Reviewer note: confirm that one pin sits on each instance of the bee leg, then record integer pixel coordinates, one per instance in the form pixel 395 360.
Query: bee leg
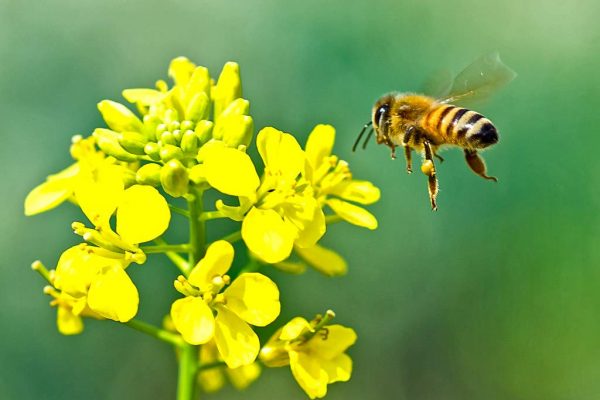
pixel 438 156
pixel 408 156
pixel 477 164
pixel 428 168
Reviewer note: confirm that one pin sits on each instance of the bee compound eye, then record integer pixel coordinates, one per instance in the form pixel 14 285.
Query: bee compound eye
pixel 380 111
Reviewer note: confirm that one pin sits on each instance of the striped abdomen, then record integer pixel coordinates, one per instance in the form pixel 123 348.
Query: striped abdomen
pixel 456 125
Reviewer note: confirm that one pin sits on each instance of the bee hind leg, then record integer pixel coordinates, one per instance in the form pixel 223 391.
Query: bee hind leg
pixel 428 168
pixel 408 156
pixel 477 164
pixel 438 156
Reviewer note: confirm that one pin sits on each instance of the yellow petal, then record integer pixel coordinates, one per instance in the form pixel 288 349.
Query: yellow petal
pixel 142 215
pixel 280 153
pixel 296 327
pixel 67 322
pixel 236 341
pixel 353 214
pixel 334 343
pixel 319 144
pixel 267 235
pixel 230 171
pixel 48 195
pixel 113 295
pixel 145 97
pixel 243 376
pixel 76 269
pixel 324 260
pixel 339 369
pixel 99 191
pixel 313 229
pixel 180 70
pixel 309 374
pixel 216 262
pixel 193 319
pixel 254 298
pixel 363 192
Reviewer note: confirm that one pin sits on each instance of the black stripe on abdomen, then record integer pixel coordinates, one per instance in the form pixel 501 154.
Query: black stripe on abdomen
pixel 465 123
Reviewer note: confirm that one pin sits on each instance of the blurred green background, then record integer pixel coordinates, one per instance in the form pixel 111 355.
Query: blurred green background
pixel 495 296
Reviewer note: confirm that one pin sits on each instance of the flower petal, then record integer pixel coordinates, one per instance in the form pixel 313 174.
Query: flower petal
pixel 145 97
pixel 230 171
pixel 254 298
pixel 309 374
pixel 353 214
pixel 98 192
pixel 296 327
pixel 76 269
pixel 329 346
pixel 142 215
pixel 313 230
pixel 216 262
pixel 267 235
pixel 339 369
pixel 113 295
pixel 324 260
pixel 363 192
pixel 280 153
pixel 193 319
pixel 319 144
pixel 67 322
pixel 51 193
pixel 236 341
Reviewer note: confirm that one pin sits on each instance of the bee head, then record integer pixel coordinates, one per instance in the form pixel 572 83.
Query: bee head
pixel 381 112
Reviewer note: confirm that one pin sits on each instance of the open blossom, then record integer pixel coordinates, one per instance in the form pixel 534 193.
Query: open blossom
pixel 277 210
pixel 314 351
pixel 251 299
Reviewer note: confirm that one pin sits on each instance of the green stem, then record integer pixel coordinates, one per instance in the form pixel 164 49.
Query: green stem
pixel 155 332
pixel 197 227
pixel 332 219
pixel 180 211
pixel 208 215
pixel 233 237
pixel 215 364
pixel 164 248
pixel 188 366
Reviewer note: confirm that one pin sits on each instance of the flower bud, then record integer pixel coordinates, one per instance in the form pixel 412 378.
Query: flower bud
pixel 133 142
pixel 118 117
pixel 167 137
pixel 174 178
pixel 198 107
pixel 189 142
pixel 237 107
pixel 148 174
pixel 153 150
pixel 170 152
pixel 204 130
pixel 108 141
pixel 234 130
pixel 228 88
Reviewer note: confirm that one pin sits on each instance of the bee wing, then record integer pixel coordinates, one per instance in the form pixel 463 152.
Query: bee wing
pixel 479 80
pixel 439 84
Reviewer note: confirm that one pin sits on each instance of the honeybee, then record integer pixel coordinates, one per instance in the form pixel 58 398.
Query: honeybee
pixel 428 123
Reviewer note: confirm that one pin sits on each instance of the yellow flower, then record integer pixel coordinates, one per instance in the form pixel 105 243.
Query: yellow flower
pixel 315 352
pixel 213 379
pixel 332 180
pixel 87 283
pixel 252 298
pixel 279 210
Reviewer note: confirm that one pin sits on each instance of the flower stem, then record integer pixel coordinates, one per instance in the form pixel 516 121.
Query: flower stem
pixel 215 364
pixel 164 248
pixel 233 237
pixel 197 227
pixel 179 210
pixel 208 215
pixel 155 332
pixel 332 219
pixel 188 366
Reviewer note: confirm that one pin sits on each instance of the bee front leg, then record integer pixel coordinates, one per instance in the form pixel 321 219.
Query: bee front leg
pixel 477 164
pixel 428 168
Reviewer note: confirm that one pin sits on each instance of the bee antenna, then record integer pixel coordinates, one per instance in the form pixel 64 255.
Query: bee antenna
pixel 361 134
pixel 367 139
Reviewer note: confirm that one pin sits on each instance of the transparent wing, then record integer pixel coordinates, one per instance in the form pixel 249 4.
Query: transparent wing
pixel 479 80
pixel 439 84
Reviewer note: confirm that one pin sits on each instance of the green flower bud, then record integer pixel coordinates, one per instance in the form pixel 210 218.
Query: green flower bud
pixel 186 125
pixel 133 142
pixel 174 178
pixel 118 117
pixel 177 134
pixel 234 130
pixel 237 107
pixel 108 141
pixel 153 150
pixel 228 87
pixel 198 107
pixel 204 130
pixel 149 174
pixel 167 137
pixel 189 142
pixel 170 152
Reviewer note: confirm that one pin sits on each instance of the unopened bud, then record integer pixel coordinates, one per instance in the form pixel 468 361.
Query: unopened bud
pixel 170 152
pixel 198 107
pixel 203 131
pixel 148 174
pixel 108 141
pixel 189 142
pixel 133 142
pixel 153 150
pixel 174 178
pixel 118 117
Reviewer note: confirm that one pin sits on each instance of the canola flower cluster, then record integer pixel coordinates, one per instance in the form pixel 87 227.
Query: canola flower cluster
pixel 185 140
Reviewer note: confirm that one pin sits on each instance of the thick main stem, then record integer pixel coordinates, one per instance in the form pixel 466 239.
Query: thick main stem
pixel 188 354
